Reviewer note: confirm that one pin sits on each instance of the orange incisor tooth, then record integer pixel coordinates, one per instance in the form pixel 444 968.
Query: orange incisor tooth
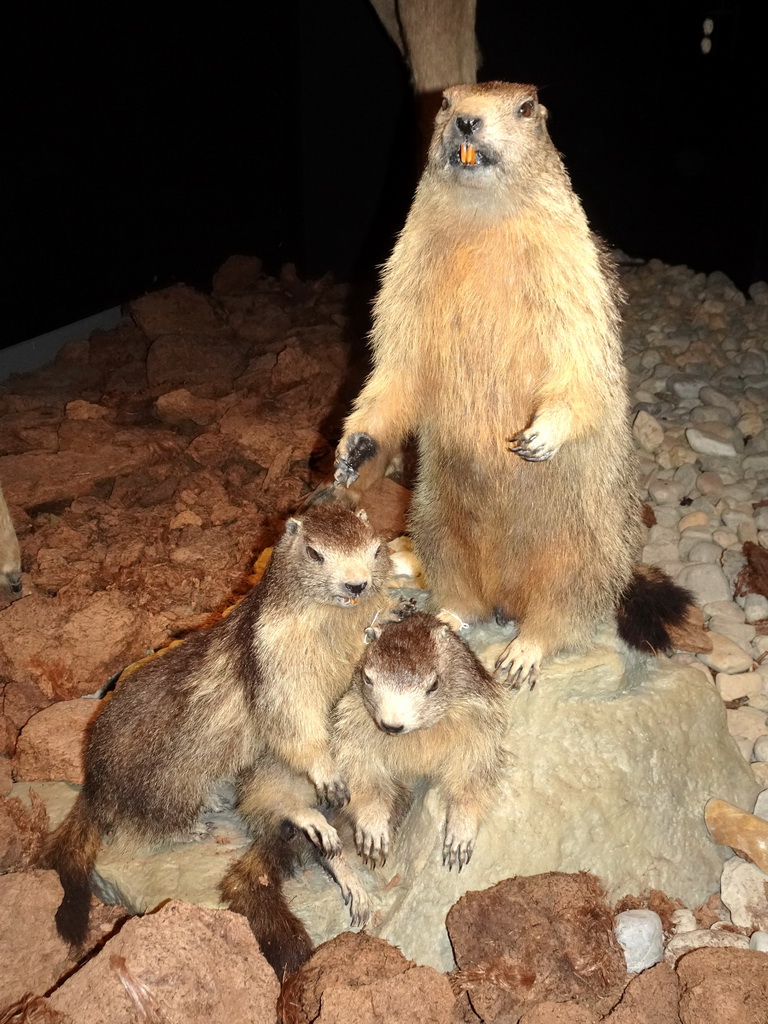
pixel 467 153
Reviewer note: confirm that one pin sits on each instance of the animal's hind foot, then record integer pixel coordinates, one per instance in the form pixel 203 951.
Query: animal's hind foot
pixel 519 663
pixel 318 831
pixel 353 893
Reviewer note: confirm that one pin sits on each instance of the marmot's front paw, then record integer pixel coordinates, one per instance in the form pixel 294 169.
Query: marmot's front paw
pixel 373 844
pixel 459 843
pixel 519 663
pixel 333 791
pixel 353 451
pixel 531 447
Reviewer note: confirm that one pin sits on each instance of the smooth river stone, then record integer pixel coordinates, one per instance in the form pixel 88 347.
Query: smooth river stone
pixel 745 833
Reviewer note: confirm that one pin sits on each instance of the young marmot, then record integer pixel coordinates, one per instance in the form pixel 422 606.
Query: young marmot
pixel 10 554
pixel 422 706
pixel 496 342
pixel 257 685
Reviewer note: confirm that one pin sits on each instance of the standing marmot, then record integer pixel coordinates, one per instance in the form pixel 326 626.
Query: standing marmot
pixel 10 555
pixel 496 342
pixel 422 706
pixel 257 685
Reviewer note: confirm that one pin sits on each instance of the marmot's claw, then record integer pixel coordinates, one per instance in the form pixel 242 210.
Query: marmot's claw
pixel 522 445
pixel 325 840
pixel 372 848
pixel 334 792
pixel 358 448
pixel 457 852
pixel 404 608
pixel 343 473
pixel 518 664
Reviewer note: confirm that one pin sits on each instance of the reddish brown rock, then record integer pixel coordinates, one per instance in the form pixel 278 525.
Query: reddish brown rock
pixel 22 831
pixel 530 940
pixel 180 965
pixel 36 478
pixel 293 366
pixel 180 405
pixel 729 986
pixel 6 775
pixel 351 960
pixel 32 955
pixel 418 996
pixel 559 1013
pixel 175 310
pixel 238 275
pixel 187 359
pixel 71 646
pixel 650 998
pixel 51 743
pixel 124 344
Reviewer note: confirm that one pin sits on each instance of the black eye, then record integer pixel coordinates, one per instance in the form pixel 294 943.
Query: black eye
pixel 526 109
pixel 314 555
pixel 366 678
pixel 433 687
pixel 377 552
pixel 444 103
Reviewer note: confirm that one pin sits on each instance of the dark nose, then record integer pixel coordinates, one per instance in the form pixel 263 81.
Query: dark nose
pixel 393 730
pixel 468 125
pixel 356 588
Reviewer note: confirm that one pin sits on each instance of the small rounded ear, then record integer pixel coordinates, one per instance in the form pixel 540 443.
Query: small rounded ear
pixel 370 634
pixel 362 514
pixel 292 526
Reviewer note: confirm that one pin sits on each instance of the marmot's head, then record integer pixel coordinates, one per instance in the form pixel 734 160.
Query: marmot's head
pixel 334 556
pixel 415 671
pixel 491 135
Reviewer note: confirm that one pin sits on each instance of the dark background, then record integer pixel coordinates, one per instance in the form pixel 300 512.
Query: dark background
pixel 146 146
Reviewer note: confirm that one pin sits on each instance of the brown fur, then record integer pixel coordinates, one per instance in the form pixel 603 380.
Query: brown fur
pixel 258 684
pixel 422 707
pixel 10 553
pixel 496 321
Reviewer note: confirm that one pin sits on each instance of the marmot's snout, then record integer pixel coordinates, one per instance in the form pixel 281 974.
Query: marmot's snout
pixel 468 125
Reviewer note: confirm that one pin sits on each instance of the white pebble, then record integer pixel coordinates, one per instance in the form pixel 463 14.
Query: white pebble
pixel 640 935
pixel 743 891
pixel 755 607
pixel 681 944
pixel 724 537
pixel 647 431
pixel 745 684
pixel 746 725
pixel 707 582
pixel 708 444
pixel 683 921
pixel 761 805
pixel 760 752
pixel 759 941
pixel 665 492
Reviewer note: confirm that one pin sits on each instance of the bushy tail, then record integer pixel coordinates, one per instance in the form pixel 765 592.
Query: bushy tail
pixel 651 607
pixel 72 850
pixel 253 886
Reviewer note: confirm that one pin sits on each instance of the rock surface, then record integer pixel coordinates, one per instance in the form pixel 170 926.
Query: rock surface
pixel 730 988
pixel 32 955
pixel 530 940
pixel 180 965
